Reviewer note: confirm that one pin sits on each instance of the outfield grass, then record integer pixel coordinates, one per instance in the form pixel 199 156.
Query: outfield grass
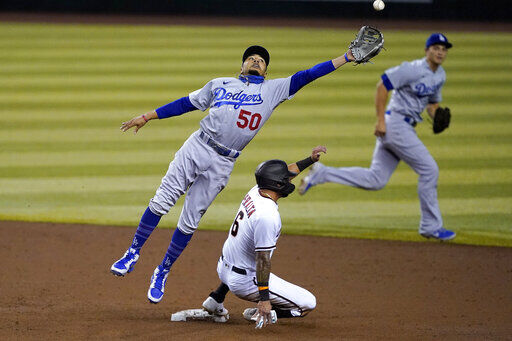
pixel 66 89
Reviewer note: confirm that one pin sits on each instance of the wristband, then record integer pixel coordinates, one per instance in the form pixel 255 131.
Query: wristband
pixel 264 295
pixel 346 57
pixel 144 117
pixel 263 290
pixel 303 164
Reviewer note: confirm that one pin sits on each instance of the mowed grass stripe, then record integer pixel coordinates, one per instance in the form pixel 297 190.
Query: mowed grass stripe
pixel 173 129
pixel 131 197
pixel 139 102
pixel 363 141
pixel 83 82
pixel 238 181
pixel 190 37
pixel 486 86
pixel 223 68
pixel 337 152
pixel 330 211
pixel 247 164
pixel 242 175
pixel 333 112
pixel 156 93
pixel 341 214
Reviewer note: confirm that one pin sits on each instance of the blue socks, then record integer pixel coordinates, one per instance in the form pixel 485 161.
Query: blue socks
pixel 178 244
pixel 147 224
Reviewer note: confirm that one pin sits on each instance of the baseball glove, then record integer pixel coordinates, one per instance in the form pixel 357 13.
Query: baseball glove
pixel 441 119
pixel 368 43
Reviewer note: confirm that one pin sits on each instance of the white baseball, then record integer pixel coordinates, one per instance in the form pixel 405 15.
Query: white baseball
pixel 378 5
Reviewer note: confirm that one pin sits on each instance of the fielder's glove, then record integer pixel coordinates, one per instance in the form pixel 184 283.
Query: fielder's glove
pixel 441 119
pixel 368 43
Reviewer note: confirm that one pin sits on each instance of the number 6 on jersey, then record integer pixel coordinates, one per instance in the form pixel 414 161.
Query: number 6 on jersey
pixel 236 223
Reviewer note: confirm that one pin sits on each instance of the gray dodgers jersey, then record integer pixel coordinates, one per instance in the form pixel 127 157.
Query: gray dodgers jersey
pixel 238 109
pixel 257 227
pixel 415 85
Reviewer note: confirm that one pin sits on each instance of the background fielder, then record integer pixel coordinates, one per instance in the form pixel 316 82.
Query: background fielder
pixel 244 267
pixel 238 108
pixel 417 85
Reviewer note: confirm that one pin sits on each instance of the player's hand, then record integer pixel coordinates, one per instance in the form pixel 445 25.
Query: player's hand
pixel 263 314
pixel 137 122
pixel 380 129
pixel 350 55
pixel 315 154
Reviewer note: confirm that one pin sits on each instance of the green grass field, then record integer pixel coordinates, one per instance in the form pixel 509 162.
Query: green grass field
pixel 66 89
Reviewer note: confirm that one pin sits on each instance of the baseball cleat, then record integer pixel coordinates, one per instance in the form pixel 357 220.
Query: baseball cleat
pixel 307 182
pixel 157 286
pixel 441 234
pixel 213 307
pixel 126 263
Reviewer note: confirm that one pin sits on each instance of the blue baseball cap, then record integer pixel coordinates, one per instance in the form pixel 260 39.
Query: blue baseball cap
pixel 437 38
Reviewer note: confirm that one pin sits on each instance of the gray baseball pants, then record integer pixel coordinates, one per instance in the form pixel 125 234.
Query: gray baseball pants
pixel 400 143
pixel 198 170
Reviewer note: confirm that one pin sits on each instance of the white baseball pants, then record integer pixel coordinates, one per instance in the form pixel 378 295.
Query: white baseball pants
pixel 283 295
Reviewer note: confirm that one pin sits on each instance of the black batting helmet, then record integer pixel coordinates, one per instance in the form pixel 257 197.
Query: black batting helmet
pixel 274 175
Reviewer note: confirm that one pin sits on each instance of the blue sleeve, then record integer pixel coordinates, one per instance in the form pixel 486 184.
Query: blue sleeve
pixel 386 82
pixel 302 78
pixel 176 108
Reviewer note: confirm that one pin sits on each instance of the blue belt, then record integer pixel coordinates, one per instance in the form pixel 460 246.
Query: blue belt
pixel 407 119
pixel 221 150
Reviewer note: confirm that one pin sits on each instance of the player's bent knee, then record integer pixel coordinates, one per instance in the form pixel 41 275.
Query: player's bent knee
pixel 186 229
pixel 157 208
pixel 379 186
pixel 309 302
pixel 376 182
pixel 376 185
pixel 431 175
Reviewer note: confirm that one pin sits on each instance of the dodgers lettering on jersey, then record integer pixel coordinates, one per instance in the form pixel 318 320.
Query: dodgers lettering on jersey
pixel 415 85
pixel 257 227
pixel 238 110
pixel 223 97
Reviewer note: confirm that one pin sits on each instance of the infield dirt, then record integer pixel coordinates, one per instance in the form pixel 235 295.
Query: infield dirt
pixel 56 284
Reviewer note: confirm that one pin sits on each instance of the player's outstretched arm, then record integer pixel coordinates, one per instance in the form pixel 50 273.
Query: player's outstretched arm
pixel 302 78
pixel 343 59
pixel 175 108
pixel 299 166
pixel 138 121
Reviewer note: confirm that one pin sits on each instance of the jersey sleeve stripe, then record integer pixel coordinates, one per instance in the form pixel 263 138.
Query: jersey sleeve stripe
pixel 387 82
pixel 265 248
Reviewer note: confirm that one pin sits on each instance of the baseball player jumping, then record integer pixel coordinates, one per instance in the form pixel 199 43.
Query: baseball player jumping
pixel 238 108
pixel 417 85
pixel 244 267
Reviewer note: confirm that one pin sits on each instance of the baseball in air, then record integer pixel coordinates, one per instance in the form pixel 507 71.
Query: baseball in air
pixel 378 5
